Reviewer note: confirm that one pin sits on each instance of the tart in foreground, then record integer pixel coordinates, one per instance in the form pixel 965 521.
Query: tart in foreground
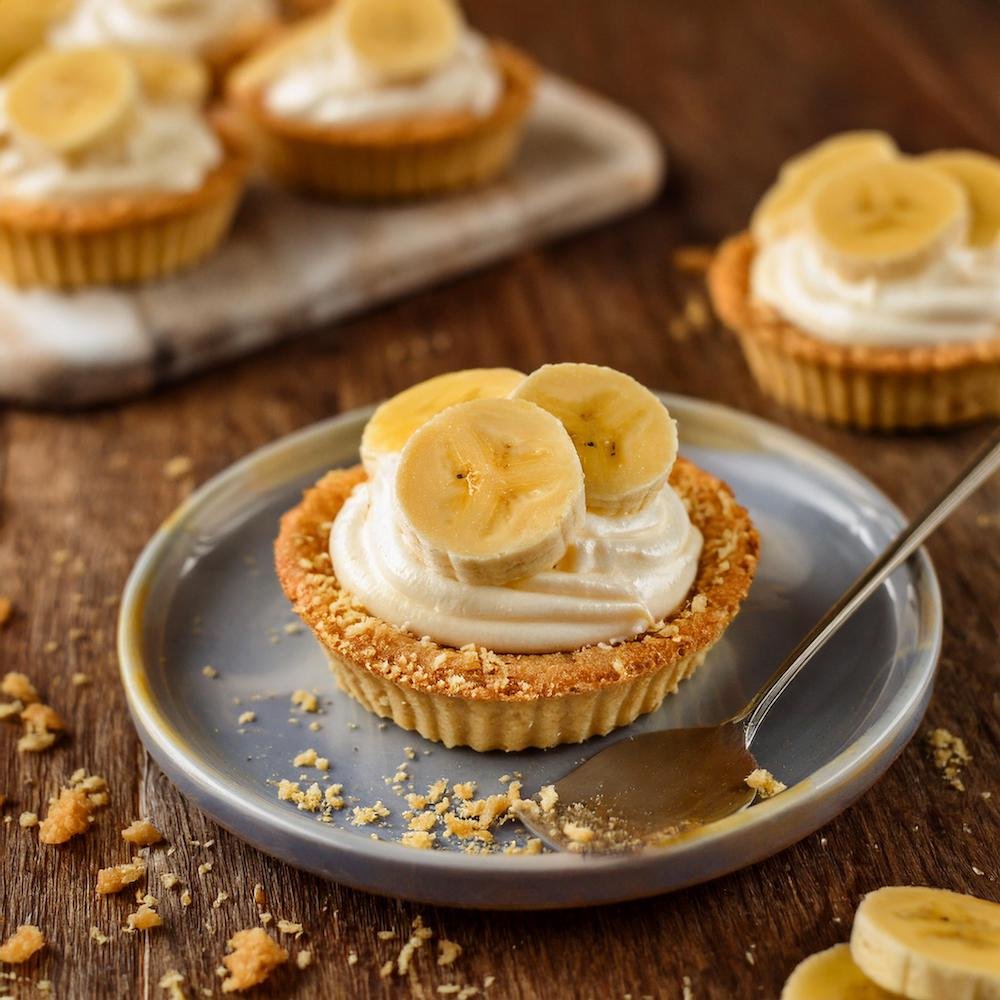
pixel 611 587
pixel 866 292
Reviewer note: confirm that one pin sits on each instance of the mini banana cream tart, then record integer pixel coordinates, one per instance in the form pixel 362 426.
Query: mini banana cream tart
pixel 383 99
pixel 866 292
pixel 109 169
pixel 220 32
pixel 519 561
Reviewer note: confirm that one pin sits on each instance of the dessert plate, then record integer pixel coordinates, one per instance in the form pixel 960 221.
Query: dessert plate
pixel 204 593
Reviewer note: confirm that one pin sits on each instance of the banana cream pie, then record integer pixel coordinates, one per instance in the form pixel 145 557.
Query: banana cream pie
pixel 518 561
pixel 867 289
pixel 381 99
pixel 109 170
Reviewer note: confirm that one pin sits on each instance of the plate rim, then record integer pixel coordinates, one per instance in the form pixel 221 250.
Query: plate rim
pixel 868 753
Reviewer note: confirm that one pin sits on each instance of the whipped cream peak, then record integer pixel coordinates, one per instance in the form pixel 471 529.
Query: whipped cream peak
pixel 620 575
pixel 955 298
pixel 330 85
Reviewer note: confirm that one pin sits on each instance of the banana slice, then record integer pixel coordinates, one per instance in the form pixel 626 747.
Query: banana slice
pixel 928 944
pixel 169 77
pixel 623 434
pixel 832 975
pixel 24 25
pixel 68 100
pixel 979 176
pixel 490 491
pixel 780 210
pixel 396 419
pixel 886 219
pixel 400 39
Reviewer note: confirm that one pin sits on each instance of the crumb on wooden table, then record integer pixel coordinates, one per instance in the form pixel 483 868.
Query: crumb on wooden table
pixel 448 951
pixel 17 685
pixel 178 467
pixel 42 725
pixel 112 880
pixel 172 982
pixel 144 919
pixel 254 956
pixel 950 756
pixel 6 610
pixel 142 833
pixel 19 947
pixel 70 814
pixel 27 820
pixel 765 784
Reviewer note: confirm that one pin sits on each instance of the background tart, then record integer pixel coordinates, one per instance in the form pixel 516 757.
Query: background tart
pixel 862 386
pixel 429 154
pixel 490 701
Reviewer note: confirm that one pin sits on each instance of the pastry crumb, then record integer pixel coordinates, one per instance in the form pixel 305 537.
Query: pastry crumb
pixel 306 701
pixel 114 879
pixel 365 815
pixel 419 839
pixel 577 833
pixel 69 815
pixel 172 982
pixel 950 756
pixel 17 685
pixel 246 717
pixel 27 820
pixel 6 610
pixel 142 833
pixel 178 467
pixel 79 679
pixel 42 725
pixel 144 919
pixel 548 797
pixel 289 927
pixel 448 951
pixel 209 671
pixel 765 784
pixel 254 956
pixel 19 947
pixel 97 937
pixel 304 959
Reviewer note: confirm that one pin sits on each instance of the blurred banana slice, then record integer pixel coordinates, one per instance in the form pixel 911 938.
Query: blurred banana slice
pixel 169 77
pixel 781 209
pixel 24 25
pixel 396 419
pixel 167 8
pixel 979 175
pixel 624 435
pixel 832 975
pixel 401 39
pixel 71 99
pixel 929 944
pixel 490 491
pixel 886 219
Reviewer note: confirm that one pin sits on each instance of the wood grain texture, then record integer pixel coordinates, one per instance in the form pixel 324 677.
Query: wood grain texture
pixel 732 89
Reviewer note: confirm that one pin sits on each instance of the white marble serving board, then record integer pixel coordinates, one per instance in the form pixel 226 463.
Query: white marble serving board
pixel 292 263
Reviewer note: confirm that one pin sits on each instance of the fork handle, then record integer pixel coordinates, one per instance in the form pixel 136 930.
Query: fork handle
pixel 983 464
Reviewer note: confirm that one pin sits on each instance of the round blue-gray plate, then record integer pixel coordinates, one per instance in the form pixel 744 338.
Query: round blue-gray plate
pixel 204 593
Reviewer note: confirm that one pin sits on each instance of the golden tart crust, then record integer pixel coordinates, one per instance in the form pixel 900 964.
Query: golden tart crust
pixel 859 385
pixel 409 157
pixel 476 697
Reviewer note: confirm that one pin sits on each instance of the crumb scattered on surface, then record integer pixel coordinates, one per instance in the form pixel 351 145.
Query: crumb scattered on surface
pixel 365 815
pixel 448 951
pixel 142 833
pixel 97 937
pixel 69 815
pixel 304 959
pixel 19 947
pixel 289 927
pixel 116 878
pixel 6 610
pixel 144 919
pixel 765 784
pixel 172 983
pixel 576 833
pixel 247 717
pixel 254 956
pixel 27 820
pixel 210 672
pixel 178 467
pixel 950 756
pixel 548 797
pixel 306 701
pixel 419 935
pixel 79 679
pixel 17 685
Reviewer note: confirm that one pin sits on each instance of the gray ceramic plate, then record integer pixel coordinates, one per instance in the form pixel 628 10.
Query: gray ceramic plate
pixel 203 592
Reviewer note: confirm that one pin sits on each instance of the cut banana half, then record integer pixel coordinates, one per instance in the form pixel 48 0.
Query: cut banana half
pixel 396 419
pixel 71 99
pixel 168 77
pixel 401 39
pixel 24 25
pixel 979 176
pixel 490 491
pixel 832 975
pixel 781 209
pixel 928 944
pixel 886 220
pixel 626 439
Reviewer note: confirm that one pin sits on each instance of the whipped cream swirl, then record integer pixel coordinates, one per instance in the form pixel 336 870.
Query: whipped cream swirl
pixel 622 574
pixel 329 85
pixel 167 147
pixel 191 28
pixel 954 299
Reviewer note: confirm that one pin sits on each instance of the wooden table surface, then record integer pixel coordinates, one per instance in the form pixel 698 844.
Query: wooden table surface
pixel 732 89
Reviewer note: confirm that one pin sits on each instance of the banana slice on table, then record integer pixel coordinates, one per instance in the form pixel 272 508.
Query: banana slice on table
pixel 396 419
pixel 170 77
pixel 401 38
pixel 68 100
pixel 928 944
pixel 490 491
pixel 781 209
pixel 886 219
pixel 979 176
pixel 624 435
pixel 832 975
pixel 24 25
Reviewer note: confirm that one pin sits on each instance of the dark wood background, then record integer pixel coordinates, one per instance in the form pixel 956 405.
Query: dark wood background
pixel 732 89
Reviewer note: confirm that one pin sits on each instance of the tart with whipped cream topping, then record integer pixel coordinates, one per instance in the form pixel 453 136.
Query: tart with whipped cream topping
pixel 109 169
pixel 518 561
pixel 220 32
pixel 383 99
pixel 866 292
